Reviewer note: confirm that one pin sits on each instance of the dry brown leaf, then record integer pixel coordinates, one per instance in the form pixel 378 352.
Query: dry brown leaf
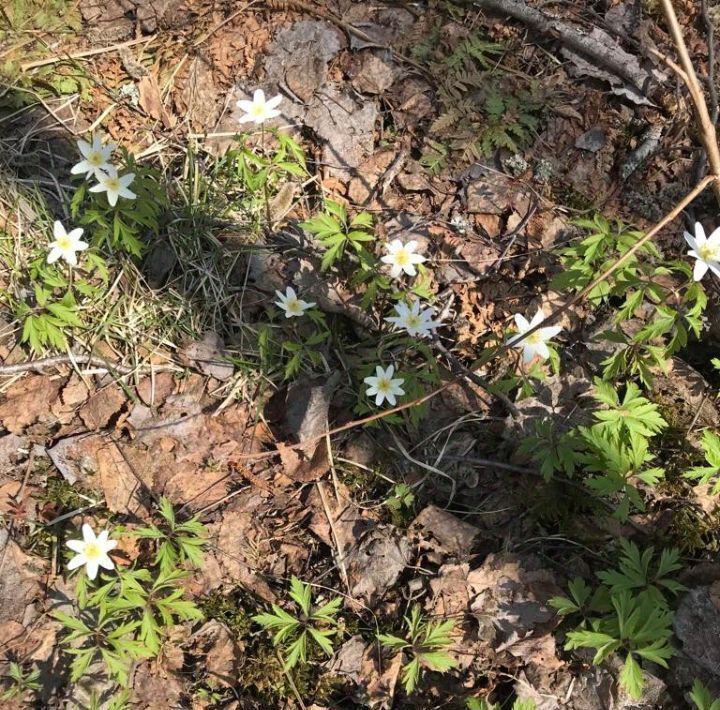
pixel 27 401
pixel 151 102
pixel 20 577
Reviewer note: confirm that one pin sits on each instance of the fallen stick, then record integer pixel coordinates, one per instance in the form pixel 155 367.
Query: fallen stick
pixel 84 53
pixel 566 34
pixel 706 125
pixel 46 363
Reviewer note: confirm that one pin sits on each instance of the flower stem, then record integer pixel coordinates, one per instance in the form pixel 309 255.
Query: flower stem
pixel 265 183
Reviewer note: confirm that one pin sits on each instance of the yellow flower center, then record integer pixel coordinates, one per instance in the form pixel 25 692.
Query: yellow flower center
pixel 413 321
pixel 112 184
pixel 383 384
pixel 95 159
pixel 293 305
pixel 708 252
pixel 402 258
pixel 64 243
pixel 93 551
pixel 534 338
pixel 258 110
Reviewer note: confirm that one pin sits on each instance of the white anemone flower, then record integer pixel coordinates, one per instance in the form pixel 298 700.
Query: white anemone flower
pixel 114 185
pixel 402 257
pixel 412 319
pixel 91 551
pixel 66 244
pixel 535 343
pixel 95 157
pixel 705 251
pixel 290 303
pixel 383 386
pixel 259 110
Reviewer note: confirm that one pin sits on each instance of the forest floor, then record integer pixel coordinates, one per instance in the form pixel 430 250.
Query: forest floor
pixel 496 146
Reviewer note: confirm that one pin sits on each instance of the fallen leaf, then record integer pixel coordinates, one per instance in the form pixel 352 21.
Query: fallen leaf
pixel 20 577
pixel 151 102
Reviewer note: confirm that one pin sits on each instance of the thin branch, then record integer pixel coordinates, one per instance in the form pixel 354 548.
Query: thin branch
pixel 85 53
pixel 705 123
pixel 46 363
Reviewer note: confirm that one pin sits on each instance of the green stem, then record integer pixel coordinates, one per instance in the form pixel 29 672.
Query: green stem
pixel 265 182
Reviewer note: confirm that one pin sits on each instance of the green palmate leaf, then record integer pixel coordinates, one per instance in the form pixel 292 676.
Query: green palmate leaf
pixel 394 642
pixel 631 677
pixel 411 675
pixel 83 658
pixel 704 474
pixel 634 413
pixel 297 652
pixel 71 622
pixel 438 661
pixel 328 611
pixel 322 638
pixel 643 571
pixel 702 698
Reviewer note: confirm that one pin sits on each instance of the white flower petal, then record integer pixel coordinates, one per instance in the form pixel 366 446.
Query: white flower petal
pixel 542 350
pixel 699 270
pixel 75 562
pixel 91 567
pixel 538 318
pixel 714 238
pixel 528 353
pixel 691 241
pixel 54 255
pixel 84 147
pixel 82 167
pixel 521 322
pixel 88 533
pixel 714 267
pixel 106 562
pixel 76 545
pixel 700 237
pixel 549 332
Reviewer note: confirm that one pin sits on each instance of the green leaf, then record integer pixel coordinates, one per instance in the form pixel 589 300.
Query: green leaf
pixel 411 675
pixel 631 677
pixel 438 660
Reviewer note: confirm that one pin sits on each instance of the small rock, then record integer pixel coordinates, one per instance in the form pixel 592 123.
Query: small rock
pixel 208 355
pixel 13 450
pixel 300 54
pixel 697 627
pixel 592 140
pixel 376 563
pixel 372 71
pixel 222 653
pixel 346 128
pixel 453 535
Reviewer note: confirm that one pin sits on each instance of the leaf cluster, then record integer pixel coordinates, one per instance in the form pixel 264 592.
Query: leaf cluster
pixel 20 682
pixel 425 645
pixel 662 292
pixel 338 233
pixel 703 475
pixel 122 618
pixel 615 449
pixel 296 634
pixel 702 699
pixel 628 612
pixel 177 543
